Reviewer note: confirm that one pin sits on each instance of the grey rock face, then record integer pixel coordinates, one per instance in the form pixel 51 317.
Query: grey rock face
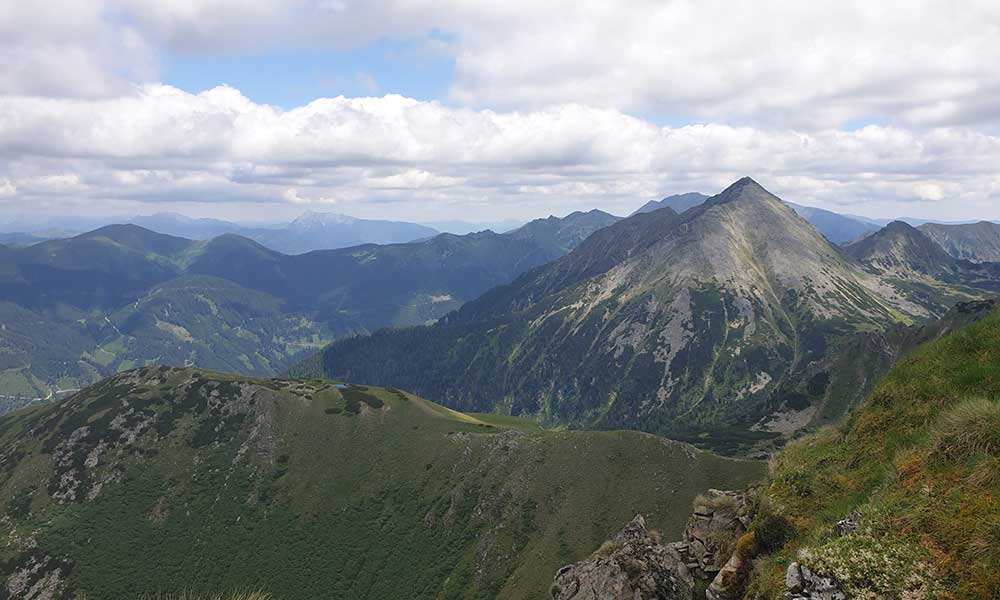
pixel 802 584
pixel 635 565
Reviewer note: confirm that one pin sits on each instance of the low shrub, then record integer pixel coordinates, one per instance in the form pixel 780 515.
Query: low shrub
pixel 772 533
pixel 606 549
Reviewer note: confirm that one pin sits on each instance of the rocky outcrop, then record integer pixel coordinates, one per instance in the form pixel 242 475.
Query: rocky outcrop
pixel 719 519
pixel 802 584
pixel 635 565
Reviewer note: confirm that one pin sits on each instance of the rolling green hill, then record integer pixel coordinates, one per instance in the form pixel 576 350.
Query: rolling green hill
pixel 164 480
pixel 730 320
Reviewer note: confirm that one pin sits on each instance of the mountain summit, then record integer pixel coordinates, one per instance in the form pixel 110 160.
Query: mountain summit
pixel 320 219
pixel 712 318
pixel 903 251
pixel 839 229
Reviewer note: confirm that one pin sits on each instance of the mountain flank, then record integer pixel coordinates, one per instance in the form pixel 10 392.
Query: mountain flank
pixel 900 501
pixel 725 321
pixel 913 262
pixel 976 242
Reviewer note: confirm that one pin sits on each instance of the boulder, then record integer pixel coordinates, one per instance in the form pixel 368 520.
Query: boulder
pixel 803 584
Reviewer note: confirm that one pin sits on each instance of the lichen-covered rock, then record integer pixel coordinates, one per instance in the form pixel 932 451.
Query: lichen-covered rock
pixel 730 581
pixel 802 584
pixel 38 578
pixel 635 565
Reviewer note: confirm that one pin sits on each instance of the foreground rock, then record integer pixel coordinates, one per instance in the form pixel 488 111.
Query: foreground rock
pixel 803 584
pixel 635 565
pixel 719 519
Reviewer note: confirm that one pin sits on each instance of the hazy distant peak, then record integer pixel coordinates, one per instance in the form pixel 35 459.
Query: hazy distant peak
pixel 903 251
pixel 174 216
pixel 314 218
pixel 678 202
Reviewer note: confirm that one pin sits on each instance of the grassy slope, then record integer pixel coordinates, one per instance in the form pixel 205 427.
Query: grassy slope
pixel 920 460
pixel 277 485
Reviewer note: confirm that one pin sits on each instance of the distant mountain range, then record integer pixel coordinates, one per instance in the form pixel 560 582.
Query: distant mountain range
pixel 678 203
pixel 77 309
pixel 459 227
pixel 326 231
pixel 311 231
pixel 728 315
pixel 977 242
pixel 733 323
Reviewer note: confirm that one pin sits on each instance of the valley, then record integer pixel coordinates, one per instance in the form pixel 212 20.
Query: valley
pixel 79 309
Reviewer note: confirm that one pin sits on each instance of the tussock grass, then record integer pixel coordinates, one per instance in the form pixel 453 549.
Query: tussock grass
pixel 607 549
pixel 920 462
pixel 967 429
pixel 718 503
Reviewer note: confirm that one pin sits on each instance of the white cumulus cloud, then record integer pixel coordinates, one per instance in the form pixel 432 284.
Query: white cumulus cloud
pixel 160 143
pixel 875 107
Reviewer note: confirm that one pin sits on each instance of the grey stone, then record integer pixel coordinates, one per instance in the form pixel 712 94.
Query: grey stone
pixel 793 578
pixel 634 566
pixel 801 583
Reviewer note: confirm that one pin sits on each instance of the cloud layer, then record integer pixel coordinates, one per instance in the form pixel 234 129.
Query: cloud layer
pixel 775 89
pixel 161 143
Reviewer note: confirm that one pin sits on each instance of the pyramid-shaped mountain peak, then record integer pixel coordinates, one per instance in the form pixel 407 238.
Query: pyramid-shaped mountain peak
pixel 745 189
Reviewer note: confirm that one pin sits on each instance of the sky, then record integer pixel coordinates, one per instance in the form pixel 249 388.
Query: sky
pixel 421 110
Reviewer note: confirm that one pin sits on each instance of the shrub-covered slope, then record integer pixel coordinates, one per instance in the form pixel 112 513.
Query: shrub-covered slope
pixel 165 480
pixel 913 477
